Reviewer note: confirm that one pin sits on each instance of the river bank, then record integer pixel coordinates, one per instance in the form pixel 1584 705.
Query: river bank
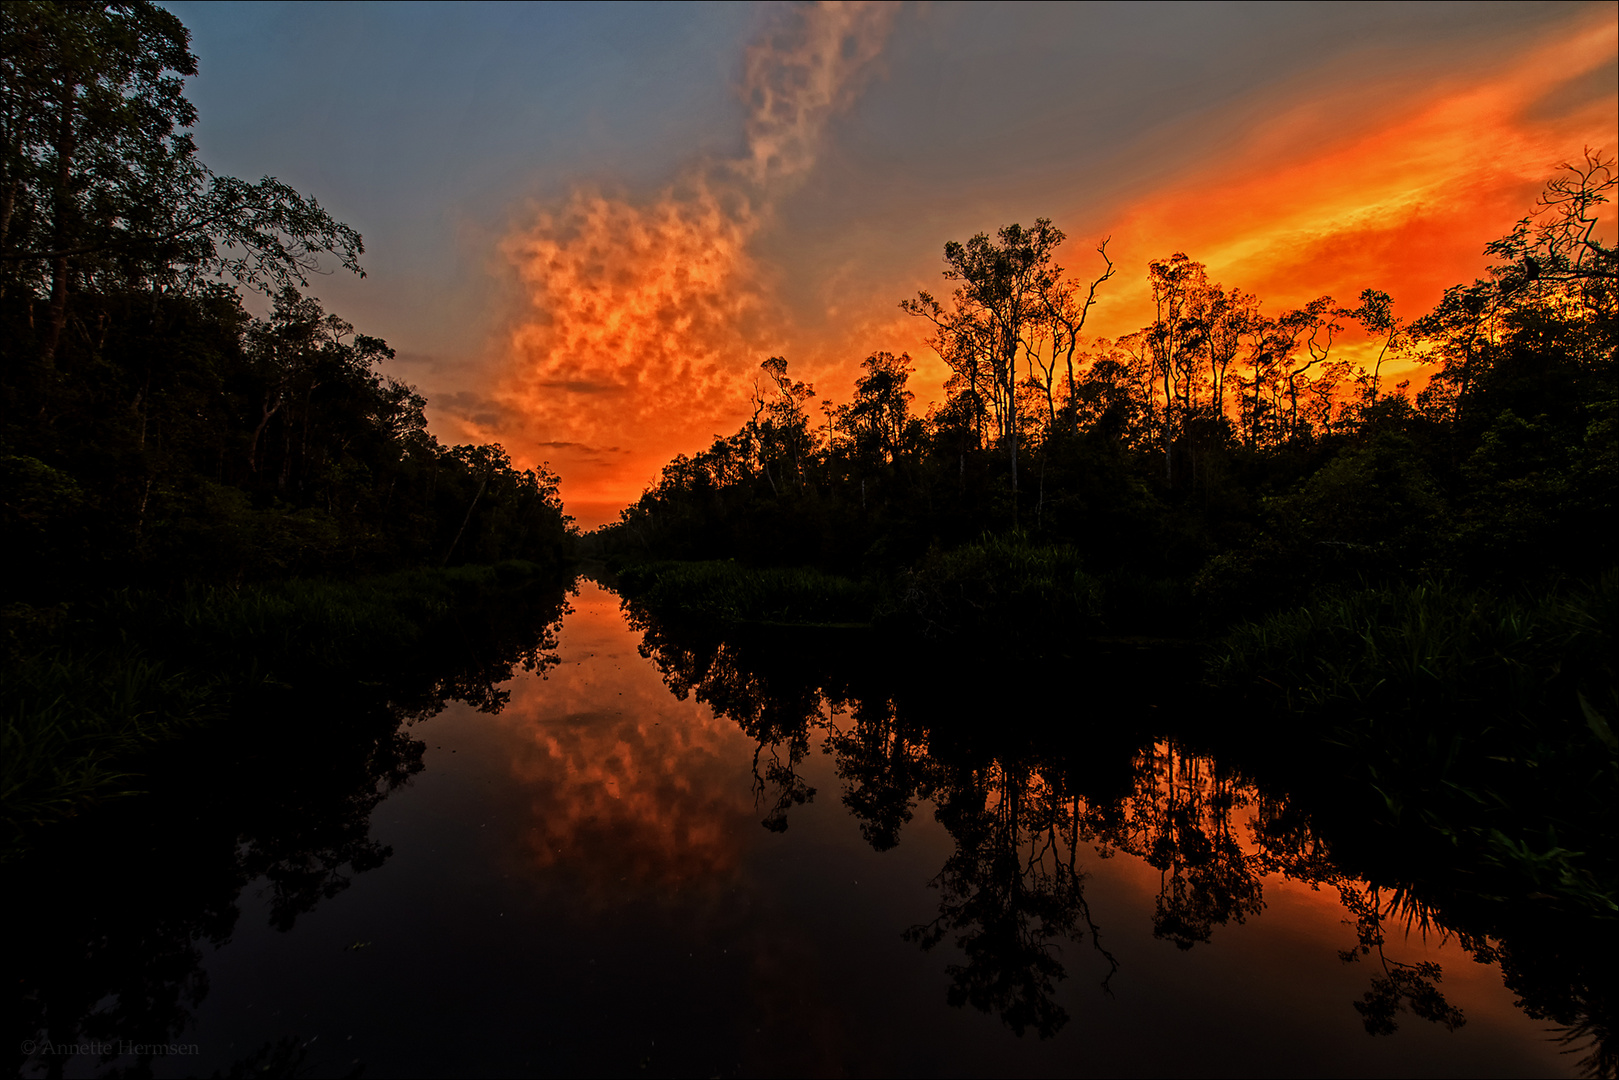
pixel 97 691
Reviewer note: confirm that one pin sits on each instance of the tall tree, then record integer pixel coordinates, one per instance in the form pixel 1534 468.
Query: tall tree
pixel 1553 267
pixel 1176 337
pixel 99 180
pixel 880 412
pixel 995 312
pixel 1065 312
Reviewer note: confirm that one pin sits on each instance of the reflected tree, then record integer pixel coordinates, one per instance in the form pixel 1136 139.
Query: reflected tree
pixel 774 705
pixel 1180 820
pixel 885 772
pixel 1288 846
pixel 229 809
pixel 1397 986
pixel 1012 892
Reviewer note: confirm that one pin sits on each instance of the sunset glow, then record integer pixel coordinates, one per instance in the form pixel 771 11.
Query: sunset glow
pixel 819 537
pixel 619 764
pixel 1404 202
pixel 644 317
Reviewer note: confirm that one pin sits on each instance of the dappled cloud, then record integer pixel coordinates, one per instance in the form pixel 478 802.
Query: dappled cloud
pixel 630 786
pixel 646 314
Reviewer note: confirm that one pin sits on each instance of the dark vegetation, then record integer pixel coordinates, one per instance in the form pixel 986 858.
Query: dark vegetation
pixel 276 804
pixel 188 493
pixel 1412 595
pixel 1229 462
pixel 1105 752
pixel 92 701
pixel 222 525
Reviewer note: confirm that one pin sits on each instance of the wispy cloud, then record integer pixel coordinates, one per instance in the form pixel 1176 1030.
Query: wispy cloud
pixel 643 313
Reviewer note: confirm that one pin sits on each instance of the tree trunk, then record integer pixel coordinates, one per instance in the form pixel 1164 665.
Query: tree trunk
pixel 253 447
pixel 58 311
pixel 470 507
pixel 59 228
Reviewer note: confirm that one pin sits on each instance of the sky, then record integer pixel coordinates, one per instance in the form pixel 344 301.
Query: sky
pixel 586 226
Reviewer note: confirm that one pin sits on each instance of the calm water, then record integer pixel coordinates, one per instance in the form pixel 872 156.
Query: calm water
pixel 612 876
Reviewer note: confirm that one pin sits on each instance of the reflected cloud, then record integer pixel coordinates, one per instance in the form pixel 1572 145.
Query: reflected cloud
pixel 630 788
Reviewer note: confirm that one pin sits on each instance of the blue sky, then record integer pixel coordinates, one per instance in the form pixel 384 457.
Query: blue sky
pixel 466 142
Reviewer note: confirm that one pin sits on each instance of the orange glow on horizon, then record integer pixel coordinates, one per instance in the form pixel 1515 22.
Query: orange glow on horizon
pixel 648 320
pixel 1403 203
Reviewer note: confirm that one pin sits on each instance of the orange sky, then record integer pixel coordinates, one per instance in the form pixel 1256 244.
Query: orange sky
pixel 1404 202
pixel 643 317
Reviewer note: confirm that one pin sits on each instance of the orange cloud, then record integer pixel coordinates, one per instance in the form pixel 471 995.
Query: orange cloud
pixel 1403 201
pixel 645 317
pixel 629 787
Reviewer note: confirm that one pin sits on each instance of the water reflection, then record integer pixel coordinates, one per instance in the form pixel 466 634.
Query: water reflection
pixel 1011 893
pixel 124 904
pixel 665 866
pixel 1034 776
pixel 615 797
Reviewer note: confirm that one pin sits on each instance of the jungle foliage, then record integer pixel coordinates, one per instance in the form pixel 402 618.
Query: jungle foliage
pixel 1239 453
pixel 1410 594
pixel 188 492
pixel 153 431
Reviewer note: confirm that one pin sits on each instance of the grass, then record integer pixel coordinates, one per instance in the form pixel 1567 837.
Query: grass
pixel 70 720
pixel 999 589
pixel 86 691
pixel 1486 721
pixel 728 593
pixel 1434 643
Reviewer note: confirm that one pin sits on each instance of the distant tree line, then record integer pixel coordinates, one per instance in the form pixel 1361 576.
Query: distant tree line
pixel 150 427
pixel 1239 453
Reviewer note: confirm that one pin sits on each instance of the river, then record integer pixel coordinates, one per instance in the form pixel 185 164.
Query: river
pixel 643 862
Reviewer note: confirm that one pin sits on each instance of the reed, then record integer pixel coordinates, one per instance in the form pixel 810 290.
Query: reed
pixel 69 721
pixel 1485 721
pixel 1000 588
pixel 726 592
pixel 87 691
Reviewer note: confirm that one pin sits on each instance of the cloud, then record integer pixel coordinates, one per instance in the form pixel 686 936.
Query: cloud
pixel 467 414
pixel 800 75
pixel 630 787
pixel 585 447
pixel 646 315
pixel 1403 199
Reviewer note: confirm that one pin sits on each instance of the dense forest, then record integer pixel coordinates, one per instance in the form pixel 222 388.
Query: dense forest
pixel 1218 447
pixel 173 468
pixel 151 426
pixel 1410 594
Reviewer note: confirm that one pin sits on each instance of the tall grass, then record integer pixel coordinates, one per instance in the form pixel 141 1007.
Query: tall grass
pixel 729 593
pixel 1002 589
pixel 997 589
pixel 69 721
pixel 1488 720
pixel 85 693
pixel 1435 647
